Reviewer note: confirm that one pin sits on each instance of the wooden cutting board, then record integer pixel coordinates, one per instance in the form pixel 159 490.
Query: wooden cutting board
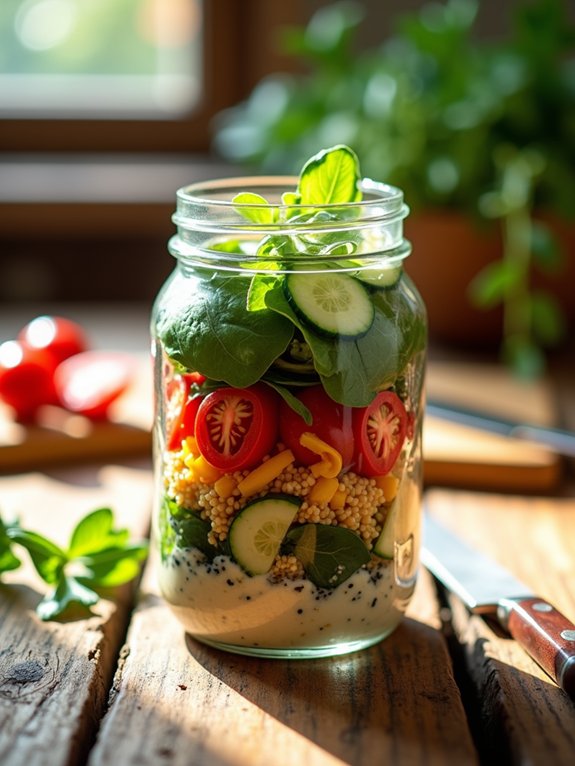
pixel 460 456
pixel 455 455
pixel 61 437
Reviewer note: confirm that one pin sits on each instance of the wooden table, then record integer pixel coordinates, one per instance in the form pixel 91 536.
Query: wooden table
pixel 126 686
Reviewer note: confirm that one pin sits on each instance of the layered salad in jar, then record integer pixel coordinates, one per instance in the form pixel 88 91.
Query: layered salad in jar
pixel 288 422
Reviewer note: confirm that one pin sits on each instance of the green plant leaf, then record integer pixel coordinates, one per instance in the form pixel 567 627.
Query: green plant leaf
pixel 547 318
pixel 8 560
pixel 95 532
pixel 113 566
pixel 545 248
pixel 330 177
pixel 525 358
pixel 48 558
pixel 329 554
pixel 101 553
pixel 292 401
pixel 67 591
pixel 492 284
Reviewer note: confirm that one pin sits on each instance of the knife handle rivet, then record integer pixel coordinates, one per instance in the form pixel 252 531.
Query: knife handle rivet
pixel 541 606
pixel 568 635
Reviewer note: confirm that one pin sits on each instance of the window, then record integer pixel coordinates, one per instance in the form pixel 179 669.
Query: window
pixel 129 75
pixel 100 58
pixel 106 107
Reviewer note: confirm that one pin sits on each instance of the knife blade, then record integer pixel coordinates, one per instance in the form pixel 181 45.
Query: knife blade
pixel 487 587
pixel 557 439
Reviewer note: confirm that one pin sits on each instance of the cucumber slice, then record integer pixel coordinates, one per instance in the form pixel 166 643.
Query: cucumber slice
pixel 402 521
pixel 333 304
pixel 381 279
pixel 258 531
pixel 384 546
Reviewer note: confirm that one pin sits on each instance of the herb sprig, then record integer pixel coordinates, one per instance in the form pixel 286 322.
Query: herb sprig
pixel 97 556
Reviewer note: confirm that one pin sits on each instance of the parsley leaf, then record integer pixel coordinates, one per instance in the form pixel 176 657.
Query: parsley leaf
pixel 97 556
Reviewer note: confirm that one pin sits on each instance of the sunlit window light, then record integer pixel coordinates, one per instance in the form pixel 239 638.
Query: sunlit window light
pixel 100 58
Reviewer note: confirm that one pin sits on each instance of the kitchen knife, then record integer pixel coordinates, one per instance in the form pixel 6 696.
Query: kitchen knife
pixel 556 439
pixel 486 587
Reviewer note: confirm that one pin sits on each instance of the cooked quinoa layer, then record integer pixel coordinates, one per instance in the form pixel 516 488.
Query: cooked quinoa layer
pixel 363 510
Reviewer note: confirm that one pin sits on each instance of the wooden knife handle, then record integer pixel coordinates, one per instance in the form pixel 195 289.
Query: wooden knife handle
pixel 546 634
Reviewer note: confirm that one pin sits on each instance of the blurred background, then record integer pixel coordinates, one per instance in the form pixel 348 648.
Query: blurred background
pixel 108 106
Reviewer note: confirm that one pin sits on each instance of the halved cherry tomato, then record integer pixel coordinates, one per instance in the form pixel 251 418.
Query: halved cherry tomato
pixel 379 432
pixel 181 409
pixel 89 382
pixel 25 379
pixel 60 338
pixel 332 422
pixel 236 427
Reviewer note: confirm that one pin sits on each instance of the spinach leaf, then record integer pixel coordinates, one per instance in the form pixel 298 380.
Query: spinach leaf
pixel 329 554
pixel 292 401
pixel 209 329
pixel 353 370
pixel 193 533
pixel 184 528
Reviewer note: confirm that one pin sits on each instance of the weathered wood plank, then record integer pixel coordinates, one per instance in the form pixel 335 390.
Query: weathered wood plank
pixel 55 676
pixel 177 701
pixel 524 716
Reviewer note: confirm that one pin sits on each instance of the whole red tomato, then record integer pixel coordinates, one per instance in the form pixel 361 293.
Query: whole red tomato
pixel 379 432
pixel 58 337
pixel 332 422
pixel 236 427
pixel 25 379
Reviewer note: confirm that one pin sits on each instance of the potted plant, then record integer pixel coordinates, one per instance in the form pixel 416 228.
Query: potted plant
pixel 479 135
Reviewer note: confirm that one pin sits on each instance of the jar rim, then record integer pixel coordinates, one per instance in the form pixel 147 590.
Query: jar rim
pixel 380 200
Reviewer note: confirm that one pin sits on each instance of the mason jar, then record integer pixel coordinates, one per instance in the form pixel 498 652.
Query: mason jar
pixel 289 346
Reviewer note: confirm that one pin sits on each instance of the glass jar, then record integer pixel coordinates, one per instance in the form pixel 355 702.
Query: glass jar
pixel 289 349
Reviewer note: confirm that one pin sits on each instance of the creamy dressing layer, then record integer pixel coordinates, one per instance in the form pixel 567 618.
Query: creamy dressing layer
pixel 218 601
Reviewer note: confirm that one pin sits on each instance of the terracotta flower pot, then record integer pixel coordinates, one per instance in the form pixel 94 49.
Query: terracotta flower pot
pixel 449 249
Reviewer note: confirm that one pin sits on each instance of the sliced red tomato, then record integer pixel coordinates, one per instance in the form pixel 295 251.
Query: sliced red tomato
pixel 379 432
pixel 332 422
pixel 60 338
pixel 89 382
pixel 236 427
pixel 182 408
pixel 25 379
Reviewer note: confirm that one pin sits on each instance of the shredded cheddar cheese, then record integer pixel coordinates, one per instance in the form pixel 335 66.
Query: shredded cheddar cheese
pixel 323 490
pixel 266 472
pixel 389 484
pixel 330 462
